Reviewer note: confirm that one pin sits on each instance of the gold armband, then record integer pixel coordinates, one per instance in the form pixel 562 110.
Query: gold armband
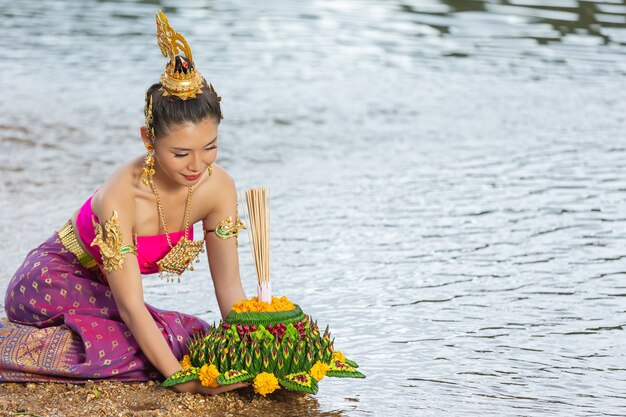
pixel 111 246
pixel 226 229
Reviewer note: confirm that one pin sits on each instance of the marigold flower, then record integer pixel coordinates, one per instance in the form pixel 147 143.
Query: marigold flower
pixel 338 356
pixel 208 376
pixel 185 362
pixel 254 305
pixel 318 371
pixel 265 383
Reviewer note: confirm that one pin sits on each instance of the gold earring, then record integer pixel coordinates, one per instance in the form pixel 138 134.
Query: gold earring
pixel 148 166
pixel 210 170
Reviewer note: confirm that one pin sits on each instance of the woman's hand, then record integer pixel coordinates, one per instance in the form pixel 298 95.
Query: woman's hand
pixel 197 388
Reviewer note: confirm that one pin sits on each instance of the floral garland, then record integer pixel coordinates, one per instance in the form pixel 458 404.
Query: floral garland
pixel 256 306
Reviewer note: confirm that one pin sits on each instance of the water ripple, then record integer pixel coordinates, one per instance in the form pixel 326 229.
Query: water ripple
pixel 447 173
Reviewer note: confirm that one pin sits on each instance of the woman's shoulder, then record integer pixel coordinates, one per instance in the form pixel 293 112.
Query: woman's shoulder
pixel 216 189
pixel 119 190
pixel 221 179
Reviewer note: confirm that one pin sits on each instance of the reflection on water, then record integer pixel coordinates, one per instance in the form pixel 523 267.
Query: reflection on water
pixel 447 174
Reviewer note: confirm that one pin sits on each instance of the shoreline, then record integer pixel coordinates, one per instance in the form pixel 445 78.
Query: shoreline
pixel 145 399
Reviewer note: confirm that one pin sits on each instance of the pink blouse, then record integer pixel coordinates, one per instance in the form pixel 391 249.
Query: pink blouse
pixel 150 249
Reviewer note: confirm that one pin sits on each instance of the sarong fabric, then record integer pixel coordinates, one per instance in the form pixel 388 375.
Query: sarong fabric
pixel 65 326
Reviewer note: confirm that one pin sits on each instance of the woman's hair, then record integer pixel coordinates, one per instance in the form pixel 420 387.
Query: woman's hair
pixel 171 110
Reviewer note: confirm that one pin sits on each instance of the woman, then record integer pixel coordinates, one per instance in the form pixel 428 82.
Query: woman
pixel 76 302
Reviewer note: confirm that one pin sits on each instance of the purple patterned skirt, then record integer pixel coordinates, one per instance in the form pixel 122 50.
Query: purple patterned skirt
pixel 65 326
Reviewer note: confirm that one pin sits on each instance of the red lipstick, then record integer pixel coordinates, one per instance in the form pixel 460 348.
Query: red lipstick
pixel 192 177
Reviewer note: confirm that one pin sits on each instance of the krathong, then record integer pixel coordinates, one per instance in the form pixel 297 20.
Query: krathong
pixel 266 340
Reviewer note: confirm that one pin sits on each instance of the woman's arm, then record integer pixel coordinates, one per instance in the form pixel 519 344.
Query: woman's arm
pixel 222 253
pixel 127 289
pixel 125 284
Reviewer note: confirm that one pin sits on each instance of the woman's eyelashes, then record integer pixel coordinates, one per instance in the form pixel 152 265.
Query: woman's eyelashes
pixel 182 155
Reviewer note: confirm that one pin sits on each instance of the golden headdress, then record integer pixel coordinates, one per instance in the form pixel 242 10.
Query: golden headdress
pixel 180 77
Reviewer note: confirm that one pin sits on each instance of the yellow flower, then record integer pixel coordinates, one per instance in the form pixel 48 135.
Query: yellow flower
pixel 254 305
pixel 185 362
pixel 265 383
pixel 338 356
pixel 208 376
pixel 318 371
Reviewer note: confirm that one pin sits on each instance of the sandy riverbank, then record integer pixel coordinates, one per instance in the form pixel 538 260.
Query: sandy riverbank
pixel 143 400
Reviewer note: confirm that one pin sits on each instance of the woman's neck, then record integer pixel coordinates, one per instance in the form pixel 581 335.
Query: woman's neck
pixel 164 183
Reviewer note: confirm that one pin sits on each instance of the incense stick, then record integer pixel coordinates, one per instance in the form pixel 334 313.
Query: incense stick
pixel 258 213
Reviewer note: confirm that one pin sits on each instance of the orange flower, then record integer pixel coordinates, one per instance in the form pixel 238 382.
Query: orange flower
pixel 338 356
pixel 318 371
pixel 185 362
pixel 254 305
pixel 265 383
pixel 208 376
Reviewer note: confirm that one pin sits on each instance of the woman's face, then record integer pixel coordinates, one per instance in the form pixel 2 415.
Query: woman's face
pixel 185 153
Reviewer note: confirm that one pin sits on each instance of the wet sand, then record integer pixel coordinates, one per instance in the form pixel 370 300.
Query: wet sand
pixel 145 399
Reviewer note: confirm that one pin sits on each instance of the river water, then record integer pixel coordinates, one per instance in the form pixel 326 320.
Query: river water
pixel 448 179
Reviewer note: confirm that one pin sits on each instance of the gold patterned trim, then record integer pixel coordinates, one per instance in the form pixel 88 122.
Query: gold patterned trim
pixel 180 257
pixel 70 242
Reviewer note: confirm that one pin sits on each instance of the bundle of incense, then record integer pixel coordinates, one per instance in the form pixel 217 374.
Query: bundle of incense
pixel 258 212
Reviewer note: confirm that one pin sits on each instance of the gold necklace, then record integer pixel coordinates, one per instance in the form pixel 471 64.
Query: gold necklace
pixel 181 256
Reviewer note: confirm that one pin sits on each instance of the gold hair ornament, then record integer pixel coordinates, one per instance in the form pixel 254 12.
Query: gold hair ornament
pixel 148 162
pixel 149 118
pixel 112 246
pixel 184 82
